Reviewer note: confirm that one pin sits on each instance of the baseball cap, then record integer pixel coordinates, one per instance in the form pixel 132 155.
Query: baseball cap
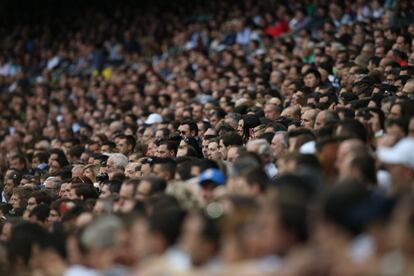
pixel 401 153
pixel 212 175
pixel 153 118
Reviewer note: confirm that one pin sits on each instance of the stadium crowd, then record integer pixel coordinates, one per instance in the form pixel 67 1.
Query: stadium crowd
pixel 208 138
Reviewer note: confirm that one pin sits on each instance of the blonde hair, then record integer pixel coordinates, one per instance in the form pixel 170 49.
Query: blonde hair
pixel 94 168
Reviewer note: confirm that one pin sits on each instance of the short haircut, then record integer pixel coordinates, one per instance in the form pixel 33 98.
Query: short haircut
pixel 158 184
pixel 171 145
pixel 192 125
pixel 232 138
pixel 41 212
pixel 85 190
pixel 113 185
pixel 400 122
pixel 42 196
pixel 130 140
pixel 101 233
pixel 167 222
pixel 256 177
pixel 352 128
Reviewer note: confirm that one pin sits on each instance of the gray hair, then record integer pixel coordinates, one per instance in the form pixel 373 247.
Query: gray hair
pixel 55 181
pixel 263 147
pixel 119 160
pixel 285 137
pixel 101 232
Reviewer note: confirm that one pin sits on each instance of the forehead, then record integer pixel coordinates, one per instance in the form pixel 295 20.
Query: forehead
pixel 184 126
pixel 232 150
pixel 212 144
pixel 277 137
pixel 162 147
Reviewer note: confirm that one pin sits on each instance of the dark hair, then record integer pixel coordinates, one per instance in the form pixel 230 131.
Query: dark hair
pixel 167 222
pixel 171 145
pixel 340 204
pixel 256 177
pixel 41 212
pixel 184 169
pixel 85 190
pixel 110 144
pixel 76 151
pixel 61 157
pixel 167 164
pixel 192 126
pixel 43 156
pixel 365 164
pixel 158 184
pixel 232 138
pixel 23 237
pixel 113 185
pixel 402 123
pixel 315 72
pixel 42 196
pixel 192 142
pixel 352 128
pixel 130 140
pixel 293 217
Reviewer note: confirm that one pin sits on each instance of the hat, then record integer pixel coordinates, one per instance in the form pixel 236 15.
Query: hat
pixel 153 118
pixel 401 153
pixel 212 175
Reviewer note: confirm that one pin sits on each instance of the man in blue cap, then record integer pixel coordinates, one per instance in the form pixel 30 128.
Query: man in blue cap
pixel 209 180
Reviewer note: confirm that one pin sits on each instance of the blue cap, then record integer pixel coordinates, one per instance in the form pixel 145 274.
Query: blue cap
pixel 214 175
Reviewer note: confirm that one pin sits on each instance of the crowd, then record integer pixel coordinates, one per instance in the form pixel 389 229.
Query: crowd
pixel 207 138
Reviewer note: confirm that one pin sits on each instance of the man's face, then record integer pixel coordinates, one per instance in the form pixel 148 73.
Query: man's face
pixel 15 201
pixel 52 157
pixel 198 112
pixel 232 154
pixel 311 81
pixel 123 147
pixel 205 148
pixel 213 152
pixel 130 170
pixel 270 112
pixel 395 112
pixel 158 171
pixel 162 151
pixel 31 203
pixel 223 150
pixel 207 191
pixel 65 190
pixel 307 119
pixel 127 191
pixel 320 120
pixel 143 190
pixel 8 186
pixel 184 130
pixel 395 131
pixel 278 145
pixel 105 192
pixel 73 195
pixel 159 135
pixel 147 135
pixel 16 164
pixel 182 149
pixel 54 167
